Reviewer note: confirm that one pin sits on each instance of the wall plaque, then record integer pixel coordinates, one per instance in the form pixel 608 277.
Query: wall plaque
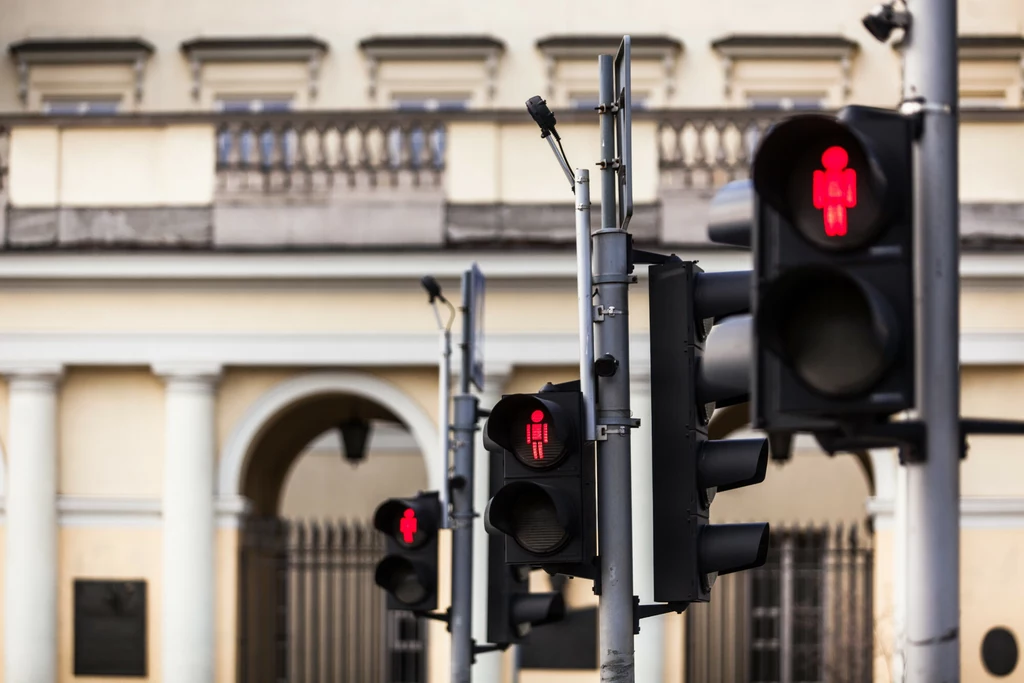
pixel 110 628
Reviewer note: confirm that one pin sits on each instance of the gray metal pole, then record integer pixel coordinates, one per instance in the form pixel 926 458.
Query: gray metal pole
pixel 444 400
pixel 932 643
pixel 585 301
pixel 462 536
pixel 613 467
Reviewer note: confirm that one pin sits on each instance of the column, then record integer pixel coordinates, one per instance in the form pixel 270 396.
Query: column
pixel 30 584
pixel 488 666
pixel 189 524
pixel 650 643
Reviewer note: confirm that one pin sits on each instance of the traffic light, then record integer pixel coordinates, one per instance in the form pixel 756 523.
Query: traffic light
pixel 697 365
pixel 511 609
pixel 408 571
pixel 546 505
pixel 834 272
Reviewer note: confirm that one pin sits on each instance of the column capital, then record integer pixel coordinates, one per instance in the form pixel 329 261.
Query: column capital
pixel 188 373
pixel 46 375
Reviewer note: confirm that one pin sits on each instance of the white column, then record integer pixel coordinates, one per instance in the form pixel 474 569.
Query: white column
pixel 189 524
pixel 649 645
pixel 30 590
pixel 488 666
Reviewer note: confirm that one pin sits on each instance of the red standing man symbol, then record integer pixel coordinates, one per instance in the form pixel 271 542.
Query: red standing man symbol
pixel 835 190
pixel 537 434
pixel 408 525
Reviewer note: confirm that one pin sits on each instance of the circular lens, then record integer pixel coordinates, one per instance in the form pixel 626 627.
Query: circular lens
pixel 534 522
pixel 408 588
pixel 398 576
pixel 833 335
pixel 535 441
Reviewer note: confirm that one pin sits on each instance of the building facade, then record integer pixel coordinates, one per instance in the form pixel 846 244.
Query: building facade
pixel 214 220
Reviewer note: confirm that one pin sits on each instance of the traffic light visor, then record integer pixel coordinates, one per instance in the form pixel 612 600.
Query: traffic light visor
pixel 837 333
pixel 819 175
pixel 536 516
pixel 728 548
pixel 534 430
pixel 409 523
pixel 401 578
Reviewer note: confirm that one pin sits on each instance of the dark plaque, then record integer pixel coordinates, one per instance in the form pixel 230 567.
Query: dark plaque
pixel 110 628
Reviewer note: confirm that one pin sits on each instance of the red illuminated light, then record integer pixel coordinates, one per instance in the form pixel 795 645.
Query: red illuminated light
pixel 537 434
pixel 835 190
pixel 407 527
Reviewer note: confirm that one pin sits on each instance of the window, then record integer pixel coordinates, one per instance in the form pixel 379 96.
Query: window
pixel 75 106
pixel 433 140
pixel 248 153
pixel 787 613
pixel 980 99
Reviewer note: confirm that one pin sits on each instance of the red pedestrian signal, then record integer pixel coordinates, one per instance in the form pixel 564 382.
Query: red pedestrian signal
pixel 407 527
pixel 537 434
pixel 835 190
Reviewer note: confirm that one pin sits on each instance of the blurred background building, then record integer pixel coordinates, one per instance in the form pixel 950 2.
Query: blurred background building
pixel 214 219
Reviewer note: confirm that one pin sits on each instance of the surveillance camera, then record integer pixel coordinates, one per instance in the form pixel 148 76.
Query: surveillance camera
pixel 538 109
pixel 883 19
pixel 433 289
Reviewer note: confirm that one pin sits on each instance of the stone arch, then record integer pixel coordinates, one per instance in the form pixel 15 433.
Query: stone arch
pixel 237 455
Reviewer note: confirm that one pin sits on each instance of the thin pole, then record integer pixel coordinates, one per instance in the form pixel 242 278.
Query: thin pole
pixel 585 301
pixel 613 466
pixel 444 399
pixel 466 410
pixel 932 643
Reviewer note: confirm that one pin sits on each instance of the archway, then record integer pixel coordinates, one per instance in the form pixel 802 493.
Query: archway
pixel 308 605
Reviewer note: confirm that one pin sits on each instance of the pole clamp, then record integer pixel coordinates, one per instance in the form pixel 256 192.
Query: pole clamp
pixel 644 611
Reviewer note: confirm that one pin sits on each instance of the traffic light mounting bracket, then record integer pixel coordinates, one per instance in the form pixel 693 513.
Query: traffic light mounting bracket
pixel 908 435
pixel 644 611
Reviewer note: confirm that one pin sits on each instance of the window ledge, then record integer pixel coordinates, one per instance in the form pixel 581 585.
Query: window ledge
pixel 821 47
pixel 296 49
pixel 486 49
pixel 75 51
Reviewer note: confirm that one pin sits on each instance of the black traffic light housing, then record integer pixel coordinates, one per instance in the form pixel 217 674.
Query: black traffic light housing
pixel 696 366
pixel 833 270
pixel 546 505
pixel 511 609
pixel 408 572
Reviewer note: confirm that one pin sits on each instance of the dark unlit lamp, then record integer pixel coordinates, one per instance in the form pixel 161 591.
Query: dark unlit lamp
pixel 355 434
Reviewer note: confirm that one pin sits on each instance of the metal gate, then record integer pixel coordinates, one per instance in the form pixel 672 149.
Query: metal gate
pixel 310 611
pixel 806 616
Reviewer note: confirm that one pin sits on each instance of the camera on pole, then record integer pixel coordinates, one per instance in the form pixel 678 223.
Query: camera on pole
pixel 834 271
pixel 408 572
pixel 546 505
pixel 696 366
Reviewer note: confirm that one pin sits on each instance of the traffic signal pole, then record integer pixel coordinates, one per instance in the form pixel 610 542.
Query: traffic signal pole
pixel 462 532
pixel 932 641
pixel 614 489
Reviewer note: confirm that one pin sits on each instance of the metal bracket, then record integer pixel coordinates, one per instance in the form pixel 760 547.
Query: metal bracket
pixel 601 312
pixel 598 314
pixel 583 571
pixel 446 617
pixel 489 647
pixel 606 108
pixel 614 164
pixel 644 611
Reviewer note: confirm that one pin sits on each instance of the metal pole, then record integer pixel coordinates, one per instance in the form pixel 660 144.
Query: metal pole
pixel 613 466
pixel 585 298
pixel 466 411
pixel 932 643
pixel 445 420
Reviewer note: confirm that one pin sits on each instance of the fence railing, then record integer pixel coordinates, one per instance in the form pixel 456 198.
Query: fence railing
pixel 806 616
pixel 309 609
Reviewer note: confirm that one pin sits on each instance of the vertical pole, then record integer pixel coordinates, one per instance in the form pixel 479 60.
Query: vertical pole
pixel 585 301
pixel 613 453
pixel 932 643
pixel 466 409
pixel 444 418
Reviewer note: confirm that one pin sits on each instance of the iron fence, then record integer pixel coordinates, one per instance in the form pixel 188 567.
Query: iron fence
pixel 806 616
pixel 309 609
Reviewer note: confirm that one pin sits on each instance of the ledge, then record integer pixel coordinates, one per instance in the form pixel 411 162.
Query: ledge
pixel 254 49
pixel 80 50
pixel 431 47
pixel 588 46
pixel 984 47
pixel 755 46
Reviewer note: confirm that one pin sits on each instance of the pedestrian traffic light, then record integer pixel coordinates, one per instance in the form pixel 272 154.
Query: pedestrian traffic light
pixel 833 270
pixel 546 506
pixel 408 571
pixel 697 366
pixel 512 610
